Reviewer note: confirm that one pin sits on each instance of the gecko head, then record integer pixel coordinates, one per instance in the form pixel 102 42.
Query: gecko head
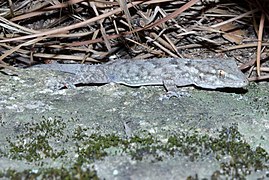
pixel 221 78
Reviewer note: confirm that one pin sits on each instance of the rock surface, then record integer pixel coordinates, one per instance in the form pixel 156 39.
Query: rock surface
pixel 30 111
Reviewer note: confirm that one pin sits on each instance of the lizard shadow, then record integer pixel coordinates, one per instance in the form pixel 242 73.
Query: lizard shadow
pixel 227 90
pixel 83 85
pixel 7 74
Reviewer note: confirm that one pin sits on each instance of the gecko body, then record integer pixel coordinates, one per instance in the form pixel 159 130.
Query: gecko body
pixel 167 72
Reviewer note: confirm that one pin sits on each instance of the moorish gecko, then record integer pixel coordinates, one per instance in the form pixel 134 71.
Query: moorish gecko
pixel 169 72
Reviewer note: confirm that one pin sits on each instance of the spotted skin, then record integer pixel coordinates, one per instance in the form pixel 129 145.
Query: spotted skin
pixel 167 72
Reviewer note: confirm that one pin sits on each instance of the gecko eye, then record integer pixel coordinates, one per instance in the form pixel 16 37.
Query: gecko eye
pixel 221 73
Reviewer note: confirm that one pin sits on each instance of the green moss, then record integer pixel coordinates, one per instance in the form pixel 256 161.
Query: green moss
pixel 33 144
pixel 96 144
pixel 52 173
pixel 243 160
pixel 38 137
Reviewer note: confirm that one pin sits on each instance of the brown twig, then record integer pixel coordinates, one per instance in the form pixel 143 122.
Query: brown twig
pixel 71 27
pixel 259 46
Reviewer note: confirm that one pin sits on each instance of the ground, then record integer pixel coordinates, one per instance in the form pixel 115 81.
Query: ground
pixel 118 132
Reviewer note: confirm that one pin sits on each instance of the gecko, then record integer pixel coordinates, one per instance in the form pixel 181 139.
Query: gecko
pixel 168 72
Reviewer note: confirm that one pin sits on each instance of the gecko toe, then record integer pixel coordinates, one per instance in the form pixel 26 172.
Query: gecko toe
pixel 171 94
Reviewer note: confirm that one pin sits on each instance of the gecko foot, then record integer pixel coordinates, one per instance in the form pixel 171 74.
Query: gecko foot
pixel 171 94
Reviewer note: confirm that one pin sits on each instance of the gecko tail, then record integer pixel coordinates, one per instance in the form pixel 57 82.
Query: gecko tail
pixel 67 68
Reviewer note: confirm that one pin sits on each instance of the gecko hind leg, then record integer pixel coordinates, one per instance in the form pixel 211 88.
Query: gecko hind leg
pixel 173 91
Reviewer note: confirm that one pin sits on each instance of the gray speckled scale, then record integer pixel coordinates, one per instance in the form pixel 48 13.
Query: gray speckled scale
pixel 170 72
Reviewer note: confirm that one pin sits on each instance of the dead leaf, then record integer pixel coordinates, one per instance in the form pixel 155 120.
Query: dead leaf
pixel 232 33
